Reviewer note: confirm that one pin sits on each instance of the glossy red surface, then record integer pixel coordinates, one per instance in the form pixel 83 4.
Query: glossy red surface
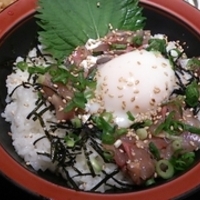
pixel 185 183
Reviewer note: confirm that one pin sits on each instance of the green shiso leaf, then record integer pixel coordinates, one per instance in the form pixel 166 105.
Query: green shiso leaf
pixel 67 24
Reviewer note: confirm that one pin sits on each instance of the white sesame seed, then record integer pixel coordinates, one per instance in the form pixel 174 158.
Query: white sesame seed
pixel 128 161
pixel 60 108
pixel 121 150
pixel 130 84
pixel 120 87
pixel 137 107
pixel 55 85
pixel 137 82
pixel 156 90
pixel 192 143
pixel 132 99
pixel 111 96
pixel 118 143
pixel 136 91
pixel 90 126
pixel 64 101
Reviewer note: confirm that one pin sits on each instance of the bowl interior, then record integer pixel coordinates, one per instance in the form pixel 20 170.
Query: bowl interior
pixel 24 36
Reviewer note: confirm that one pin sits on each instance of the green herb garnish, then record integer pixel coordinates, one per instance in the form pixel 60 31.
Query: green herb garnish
pixel 193 64
pixel 67 24
pixel 156 44
pixel 175 127
pixel 78 101
pixel 22 65
pixel 71 139
pixel 154 150
pixel 110 132
pixel 130 116
pixel 165 169
pixel 118 46
pixel 137 40
pixel 183 161
pixel 37 70
pixel 192 94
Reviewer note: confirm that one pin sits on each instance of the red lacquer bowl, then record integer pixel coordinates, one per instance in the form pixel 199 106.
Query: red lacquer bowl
pixel 176 18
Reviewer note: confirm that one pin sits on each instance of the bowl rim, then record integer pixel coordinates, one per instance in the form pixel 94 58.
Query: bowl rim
pixel 189 181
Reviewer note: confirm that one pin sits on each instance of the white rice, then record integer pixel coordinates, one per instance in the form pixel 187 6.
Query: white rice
pixel 25 132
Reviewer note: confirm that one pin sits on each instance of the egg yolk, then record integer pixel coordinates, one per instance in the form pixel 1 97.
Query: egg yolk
pixel 138 82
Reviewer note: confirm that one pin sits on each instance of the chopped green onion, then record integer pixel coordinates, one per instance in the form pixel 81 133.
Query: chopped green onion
pixel 37 70
pixel 104 125
pixel 91 84
pixel 120 131
pixel 192 94
pixel 119 46
pixel 142 133
pixel 70 143
pixel 164 169
pixel 193 64
pixel 79 100
pixel 150 182
pixel 137 40
pixel 169 125
pixel 80 82
pixel 148 122
pixel 130 116
pixel 184 161
pixel 108 155
pixel 172 126
pixel 108 129
pixel 177 145
pixel 70 106
pixel 107 116
pixel 154 150
pixel 107 138
pixel 41 79
pixel 88 94
pixel 60 75
pixel 92 74
pixel 71 139
pixel 176 51
pixel 191 129
pixel 156 44
pixel 22 65
pixel 76 122
pixel 96 164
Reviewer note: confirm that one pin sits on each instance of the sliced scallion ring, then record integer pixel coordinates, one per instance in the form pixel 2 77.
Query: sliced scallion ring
pixel 164 169
pixel 177 144
pixel 150 182
pixel 97 166
pixel 142 133
pixel 108 155
pixel 76 122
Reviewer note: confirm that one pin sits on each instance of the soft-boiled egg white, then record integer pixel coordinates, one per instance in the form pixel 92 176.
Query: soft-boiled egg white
pixel 138 82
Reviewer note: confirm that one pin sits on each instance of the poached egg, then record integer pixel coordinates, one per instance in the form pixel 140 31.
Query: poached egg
pixel 137 82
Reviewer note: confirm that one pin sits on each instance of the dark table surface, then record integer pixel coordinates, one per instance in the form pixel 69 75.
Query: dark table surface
pixel 10 191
